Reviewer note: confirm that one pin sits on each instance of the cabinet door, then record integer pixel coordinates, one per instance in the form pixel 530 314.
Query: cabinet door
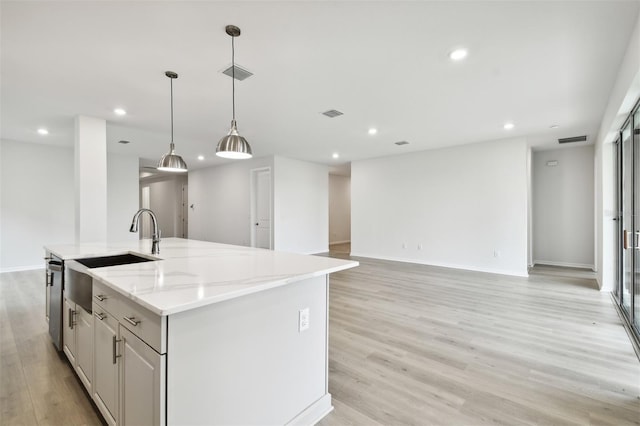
pixel 142 379
pixel 84 346
pixel 68 333
pixel 105 376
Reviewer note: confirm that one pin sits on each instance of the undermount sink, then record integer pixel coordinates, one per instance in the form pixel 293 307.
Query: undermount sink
pixel 120 259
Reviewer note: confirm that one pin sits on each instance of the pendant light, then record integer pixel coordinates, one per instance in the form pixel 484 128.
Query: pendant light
pixel 172 162
pixel 233 145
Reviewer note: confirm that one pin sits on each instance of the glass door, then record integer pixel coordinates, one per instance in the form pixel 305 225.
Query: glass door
pixel 628 235
pixel 617 188
pixel 635 295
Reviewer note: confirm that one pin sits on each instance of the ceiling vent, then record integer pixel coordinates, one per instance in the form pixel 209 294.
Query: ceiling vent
pixel 573 139
pixel 402 143
pixel 332 113
pixel 241 73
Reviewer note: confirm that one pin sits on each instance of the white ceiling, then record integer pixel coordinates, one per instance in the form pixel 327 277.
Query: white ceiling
pixel 384 64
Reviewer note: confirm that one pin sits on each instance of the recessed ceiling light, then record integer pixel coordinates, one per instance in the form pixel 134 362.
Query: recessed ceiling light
pixel 119 111
pixel 43 131
pixel 458 54
pixel 200 157
pixel 509 126
pixel 373 131
pixel 336 155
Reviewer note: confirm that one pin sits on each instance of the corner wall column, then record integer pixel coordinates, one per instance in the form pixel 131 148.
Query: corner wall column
pixel 90 164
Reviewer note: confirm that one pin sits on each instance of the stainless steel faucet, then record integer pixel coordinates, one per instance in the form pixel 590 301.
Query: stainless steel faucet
pixel 155 245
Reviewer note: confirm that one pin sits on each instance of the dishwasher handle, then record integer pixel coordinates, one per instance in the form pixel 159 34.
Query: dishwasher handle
pixel 55 266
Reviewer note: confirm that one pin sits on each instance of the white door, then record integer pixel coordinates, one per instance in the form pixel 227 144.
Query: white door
pixel 261 208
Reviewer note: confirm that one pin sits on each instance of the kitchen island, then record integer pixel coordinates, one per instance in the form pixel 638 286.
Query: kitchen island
pixel 206 334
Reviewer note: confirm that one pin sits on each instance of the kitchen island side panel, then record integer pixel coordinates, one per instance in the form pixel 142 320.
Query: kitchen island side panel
pixel 243 361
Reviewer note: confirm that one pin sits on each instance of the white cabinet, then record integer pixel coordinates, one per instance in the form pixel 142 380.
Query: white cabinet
pixel 141 382
pixel 77 331
pixel 84 346
pixel 68 333
pixel 129 374
pixel 105 378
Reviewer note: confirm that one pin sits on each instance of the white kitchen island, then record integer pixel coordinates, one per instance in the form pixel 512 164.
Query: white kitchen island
pixel 208 334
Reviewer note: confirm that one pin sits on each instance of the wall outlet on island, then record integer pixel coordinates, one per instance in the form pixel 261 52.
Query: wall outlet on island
pixel 303 319
pixel 496 253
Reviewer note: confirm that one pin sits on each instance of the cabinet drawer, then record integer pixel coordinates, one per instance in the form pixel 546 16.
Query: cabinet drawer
pixel 149 327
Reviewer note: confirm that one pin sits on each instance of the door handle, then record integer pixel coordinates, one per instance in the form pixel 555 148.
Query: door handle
pixel 636 241
pixel 625 239
pixel 256 223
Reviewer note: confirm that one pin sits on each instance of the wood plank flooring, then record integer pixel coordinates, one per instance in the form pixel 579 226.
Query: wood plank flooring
pixel 413 344
pixel 37 385
pixel 409 344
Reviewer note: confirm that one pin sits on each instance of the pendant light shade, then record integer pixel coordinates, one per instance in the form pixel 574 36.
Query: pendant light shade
pixel 172 162
pixel 233 145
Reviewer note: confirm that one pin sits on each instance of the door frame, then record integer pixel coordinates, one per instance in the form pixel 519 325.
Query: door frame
pixel 253 175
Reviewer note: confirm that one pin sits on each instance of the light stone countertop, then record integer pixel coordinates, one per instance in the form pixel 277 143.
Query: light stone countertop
pixel 190 273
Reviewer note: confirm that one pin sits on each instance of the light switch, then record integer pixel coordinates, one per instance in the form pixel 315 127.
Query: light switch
pixel 303 319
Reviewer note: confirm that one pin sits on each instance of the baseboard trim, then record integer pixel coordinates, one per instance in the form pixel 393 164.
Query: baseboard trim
pixel 510 272
pixel 21 268
pixel 313 413
pixel 565 264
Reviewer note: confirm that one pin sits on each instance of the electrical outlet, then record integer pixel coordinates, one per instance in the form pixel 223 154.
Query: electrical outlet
pixel 404 245
pixel 496 253
pixel 303 319
pixel 419 246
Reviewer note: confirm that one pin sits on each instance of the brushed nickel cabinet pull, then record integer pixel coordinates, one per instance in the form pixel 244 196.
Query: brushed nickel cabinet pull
pixel 115 348
pixel 100 297
pixel 71 314
pixel 133 321
pixel 100 316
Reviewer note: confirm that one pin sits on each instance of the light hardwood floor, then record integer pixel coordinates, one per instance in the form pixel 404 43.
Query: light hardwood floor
pixel 409 344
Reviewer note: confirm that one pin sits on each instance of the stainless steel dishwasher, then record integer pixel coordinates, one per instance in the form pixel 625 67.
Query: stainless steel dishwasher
pixel 55 279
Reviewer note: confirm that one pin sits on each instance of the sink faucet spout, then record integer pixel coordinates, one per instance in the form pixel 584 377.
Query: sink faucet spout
pixel 155 244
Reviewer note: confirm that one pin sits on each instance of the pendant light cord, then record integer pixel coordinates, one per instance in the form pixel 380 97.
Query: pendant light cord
pixel 233 77
pixel 171 111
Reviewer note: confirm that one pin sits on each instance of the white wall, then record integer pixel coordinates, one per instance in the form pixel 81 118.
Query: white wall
pixel 625 92
pixel 122 196
pixel 222 201
pixel 339 209
pixel 165 200
pixel 460 204
pixel 37 200
pixel 301 206
pixel 563 214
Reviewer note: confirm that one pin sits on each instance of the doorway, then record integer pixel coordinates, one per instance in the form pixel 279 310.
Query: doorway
pixel 340 210
pixel 261 234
